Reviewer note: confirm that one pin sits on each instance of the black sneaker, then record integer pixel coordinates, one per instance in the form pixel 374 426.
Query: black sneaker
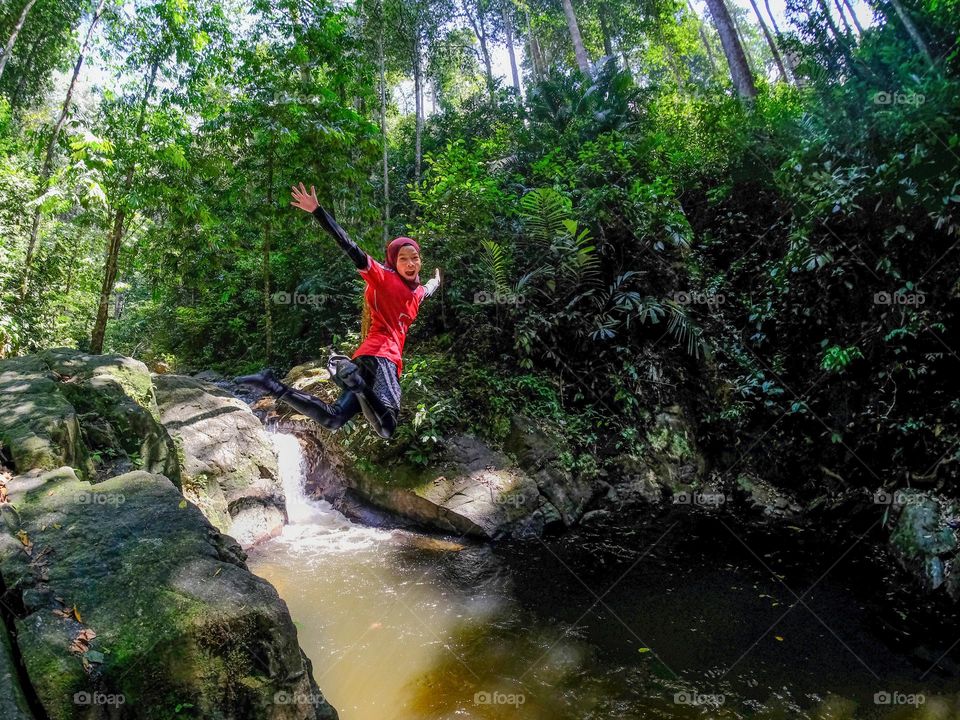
pixel 264 380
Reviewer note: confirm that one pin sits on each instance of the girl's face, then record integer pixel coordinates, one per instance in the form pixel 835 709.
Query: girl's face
pixel 408 262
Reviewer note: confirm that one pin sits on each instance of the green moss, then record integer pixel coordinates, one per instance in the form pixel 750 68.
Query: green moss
pixel 670 442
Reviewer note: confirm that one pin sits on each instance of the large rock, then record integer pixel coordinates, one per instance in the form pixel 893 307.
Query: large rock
pixel 96 413
pixel 921 540
pixel 128 603
pixel 474 491
pixel 539 452
pixel 668 465
pixel 13 700
pixel 228 464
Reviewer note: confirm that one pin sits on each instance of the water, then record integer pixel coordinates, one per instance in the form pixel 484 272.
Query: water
pixel 678 617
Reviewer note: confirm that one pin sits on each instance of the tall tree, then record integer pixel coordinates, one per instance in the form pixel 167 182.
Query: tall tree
pixel 47 167
pixel 583 62
pixel 8 49
pixel 770 42
pixel 508 38
pixel 479 17
pixel 912 31
pixel 703 37
pixel 733 50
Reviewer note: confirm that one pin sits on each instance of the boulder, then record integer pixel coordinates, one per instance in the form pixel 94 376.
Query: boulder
pixel 921 540
pixel 96 413
pixel 474 491
pixel 229 469
pixel 13 700
pixel 539 452
pixel 127 602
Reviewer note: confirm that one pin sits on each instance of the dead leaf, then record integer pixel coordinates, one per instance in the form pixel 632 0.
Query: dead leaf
pixel 76 614
pixel 24 538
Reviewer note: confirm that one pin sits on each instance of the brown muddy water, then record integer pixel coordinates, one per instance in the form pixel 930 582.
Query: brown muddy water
pixel 684 615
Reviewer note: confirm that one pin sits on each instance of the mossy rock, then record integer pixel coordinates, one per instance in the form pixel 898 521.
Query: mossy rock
pixel 13 700
pixel 178 619
pixel 95 413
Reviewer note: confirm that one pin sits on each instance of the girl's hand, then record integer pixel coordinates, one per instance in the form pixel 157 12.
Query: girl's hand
pixel 303 200
pixel 436 276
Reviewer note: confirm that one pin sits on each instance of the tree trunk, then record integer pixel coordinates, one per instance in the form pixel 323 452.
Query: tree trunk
pixel 13 36
pixel 773 46
pixel 605 31
pixel 383 132
pixel 583 62
pixel 488 66
pixel 911 30
pixel 703 37
pixel 508 29
pixel 116 232
pixel 47 168
pixel 751 64
pixel 843 17
pixel 853 16
pixel 267 231
pixel 733 50
pixel 840 39
pixel 418 105
pixel 536 57
pixel 298 38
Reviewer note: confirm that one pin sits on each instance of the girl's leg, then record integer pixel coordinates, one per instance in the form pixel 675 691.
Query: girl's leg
pixel 332 417
pixel 360 377
pixel 329 416
pixel 381 417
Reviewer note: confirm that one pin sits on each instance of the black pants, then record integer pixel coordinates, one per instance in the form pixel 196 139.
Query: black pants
pixel 377 400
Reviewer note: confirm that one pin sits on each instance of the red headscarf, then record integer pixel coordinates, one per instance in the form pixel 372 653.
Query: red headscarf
pixel 393 249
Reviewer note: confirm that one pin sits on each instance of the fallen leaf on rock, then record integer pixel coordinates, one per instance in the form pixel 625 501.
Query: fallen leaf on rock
pixel 76 614
pixel 81 643
pixel 25 540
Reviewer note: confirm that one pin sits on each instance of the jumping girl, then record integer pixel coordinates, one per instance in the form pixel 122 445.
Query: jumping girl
pixel 392 299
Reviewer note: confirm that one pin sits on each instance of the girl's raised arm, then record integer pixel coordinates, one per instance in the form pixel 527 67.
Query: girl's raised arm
pixel 308 202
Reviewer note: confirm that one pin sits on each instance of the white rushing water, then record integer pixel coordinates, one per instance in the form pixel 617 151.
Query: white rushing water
pixel 314 524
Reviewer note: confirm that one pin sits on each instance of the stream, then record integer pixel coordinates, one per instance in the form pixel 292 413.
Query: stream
pixel 687 615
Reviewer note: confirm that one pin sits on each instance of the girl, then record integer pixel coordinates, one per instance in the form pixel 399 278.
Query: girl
pixel 392 300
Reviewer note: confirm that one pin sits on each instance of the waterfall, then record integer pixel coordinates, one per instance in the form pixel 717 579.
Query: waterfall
pixel 314 524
